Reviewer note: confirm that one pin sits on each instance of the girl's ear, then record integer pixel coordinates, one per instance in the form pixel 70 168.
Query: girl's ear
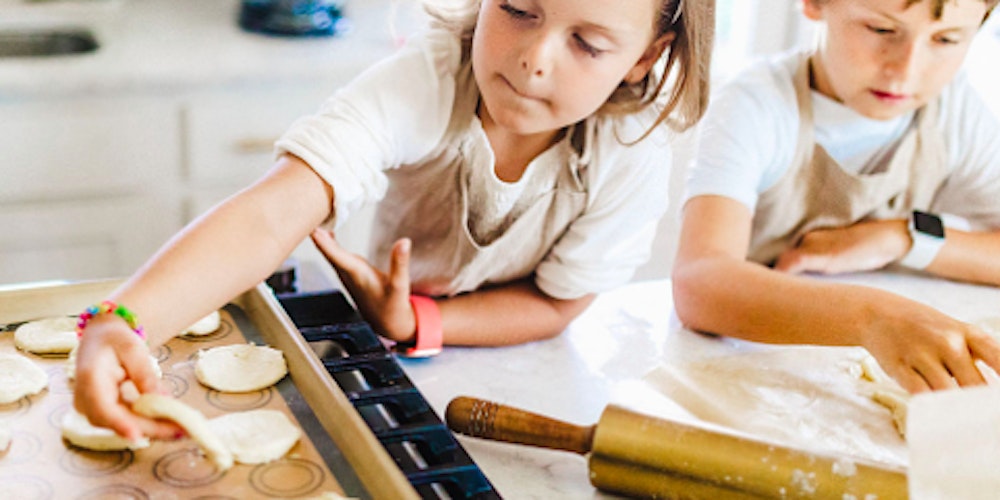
pixel 649 58
pixel 812 9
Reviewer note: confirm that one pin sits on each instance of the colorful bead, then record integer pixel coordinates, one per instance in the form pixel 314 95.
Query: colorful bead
pixel 109 307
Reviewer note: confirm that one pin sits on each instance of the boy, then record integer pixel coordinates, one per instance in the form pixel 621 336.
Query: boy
pixel 843 159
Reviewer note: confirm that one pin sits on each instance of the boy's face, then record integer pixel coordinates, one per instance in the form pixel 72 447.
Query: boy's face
pixel 883 59
pixel 542 65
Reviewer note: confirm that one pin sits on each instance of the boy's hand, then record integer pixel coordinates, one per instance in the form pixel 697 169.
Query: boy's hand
pixel 111 353
pixel 924 349
pixel 864 246
pixel 383 299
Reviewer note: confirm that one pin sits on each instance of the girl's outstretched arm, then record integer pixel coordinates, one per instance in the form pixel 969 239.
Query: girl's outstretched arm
pixel 717 290
pixel 218 256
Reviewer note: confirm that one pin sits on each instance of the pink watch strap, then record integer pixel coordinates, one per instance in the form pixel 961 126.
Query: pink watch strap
pixel 428 339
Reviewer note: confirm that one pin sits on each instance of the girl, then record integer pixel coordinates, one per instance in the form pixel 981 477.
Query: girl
pixel 819 161
pixel 505 145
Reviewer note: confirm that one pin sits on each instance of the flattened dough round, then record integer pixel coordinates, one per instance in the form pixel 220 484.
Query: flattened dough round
pixel 206 325
pixel 47 336
pixel 256 436
pixel 80 432
pixel 19 377
pixel 193 422
pixel 240 367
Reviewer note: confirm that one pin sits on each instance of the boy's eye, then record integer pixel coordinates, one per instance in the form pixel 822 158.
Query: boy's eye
pixel 514 11
pixel 946 40
pixel 878 30
pixel 586 47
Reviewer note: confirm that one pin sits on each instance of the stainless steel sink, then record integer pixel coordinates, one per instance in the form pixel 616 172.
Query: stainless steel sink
pixel 45 42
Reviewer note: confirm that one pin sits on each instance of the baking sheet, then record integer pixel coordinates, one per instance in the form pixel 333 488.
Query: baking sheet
pixel 39 464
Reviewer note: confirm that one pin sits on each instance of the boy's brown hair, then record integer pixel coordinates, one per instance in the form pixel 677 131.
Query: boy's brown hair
pixel 938 7
pixel 687 67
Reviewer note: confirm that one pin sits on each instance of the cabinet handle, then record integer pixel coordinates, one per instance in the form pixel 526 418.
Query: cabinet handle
pixel 254 145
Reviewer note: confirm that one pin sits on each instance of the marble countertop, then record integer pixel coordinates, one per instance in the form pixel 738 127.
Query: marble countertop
pixel 601 359
pixel 168 45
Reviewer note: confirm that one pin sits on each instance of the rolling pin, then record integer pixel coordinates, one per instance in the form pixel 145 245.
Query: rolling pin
pixel 644 456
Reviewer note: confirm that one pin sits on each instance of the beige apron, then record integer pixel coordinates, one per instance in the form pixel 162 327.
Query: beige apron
pixel 429 203
pixel 817 193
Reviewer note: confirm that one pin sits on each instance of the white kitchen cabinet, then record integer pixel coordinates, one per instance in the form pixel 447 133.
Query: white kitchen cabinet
pixel 230 135
pixel 86 186
pixel 79 239
pixel 61 149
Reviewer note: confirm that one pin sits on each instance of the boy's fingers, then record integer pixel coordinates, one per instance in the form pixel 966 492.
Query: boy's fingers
pixel 986 348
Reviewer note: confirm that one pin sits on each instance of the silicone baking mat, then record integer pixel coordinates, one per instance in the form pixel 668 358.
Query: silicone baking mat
pixel 39 464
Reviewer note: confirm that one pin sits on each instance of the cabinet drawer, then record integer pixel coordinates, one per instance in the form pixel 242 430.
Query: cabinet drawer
pixel 80 240
pixel 231 137
pixel 84 147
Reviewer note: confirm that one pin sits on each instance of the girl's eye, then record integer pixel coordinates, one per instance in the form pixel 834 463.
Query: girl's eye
pixel 514 12
pixel 586 47
pixel 944 40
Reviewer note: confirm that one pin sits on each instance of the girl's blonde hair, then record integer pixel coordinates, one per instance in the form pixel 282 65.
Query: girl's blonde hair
pixel 686 68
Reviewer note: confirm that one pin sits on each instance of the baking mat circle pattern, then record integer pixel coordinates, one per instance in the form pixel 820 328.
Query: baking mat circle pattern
pixel 24 447
pixel 185 469
pixel 242 401
pixel 87 463
pixel 117 491
pixel 290 477
pixel 24 487
pixel 57 414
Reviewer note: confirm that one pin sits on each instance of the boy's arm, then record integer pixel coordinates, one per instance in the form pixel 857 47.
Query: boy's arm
pixel 717 290
pixel 869 245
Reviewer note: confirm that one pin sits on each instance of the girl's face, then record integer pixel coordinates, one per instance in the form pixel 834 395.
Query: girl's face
pixel 882 59
pixel 542 65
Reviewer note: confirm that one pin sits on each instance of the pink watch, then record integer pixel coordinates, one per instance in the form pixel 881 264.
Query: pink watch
pixel 428 339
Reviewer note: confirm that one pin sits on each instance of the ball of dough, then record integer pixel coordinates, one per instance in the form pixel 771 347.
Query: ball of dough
pixel 19 377
pixel 80 432
pixel 240 367
pixel 205 326
pixel 256 436
pixel 47 336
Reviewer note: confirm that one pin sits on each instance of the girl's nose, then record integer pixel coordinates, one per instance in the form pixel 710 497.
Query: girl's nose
pixel 536 55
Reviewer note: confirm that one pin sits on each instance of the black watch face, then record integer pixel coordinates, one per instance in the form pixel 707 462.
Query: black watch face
pixel 928 224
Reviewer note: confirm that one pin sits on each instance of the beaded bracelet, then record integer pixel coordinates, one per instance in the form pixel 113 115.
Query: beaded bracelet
pixel 105 307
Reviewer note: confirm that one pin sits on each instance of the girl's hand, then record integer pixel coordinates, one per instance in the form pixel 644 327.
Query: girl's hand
pixel 864 246
pixel 109 354
pixel 926 350
pixel 383 299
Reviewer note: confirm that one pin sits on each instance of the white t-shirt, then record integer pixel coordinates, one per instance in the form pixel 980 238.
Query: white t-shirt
pixel 397 114
pixel 747 140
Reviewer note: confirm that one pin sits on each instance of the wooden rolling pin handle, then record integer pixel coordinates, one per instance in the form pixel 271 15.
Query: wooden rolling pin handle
pixel 486 419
